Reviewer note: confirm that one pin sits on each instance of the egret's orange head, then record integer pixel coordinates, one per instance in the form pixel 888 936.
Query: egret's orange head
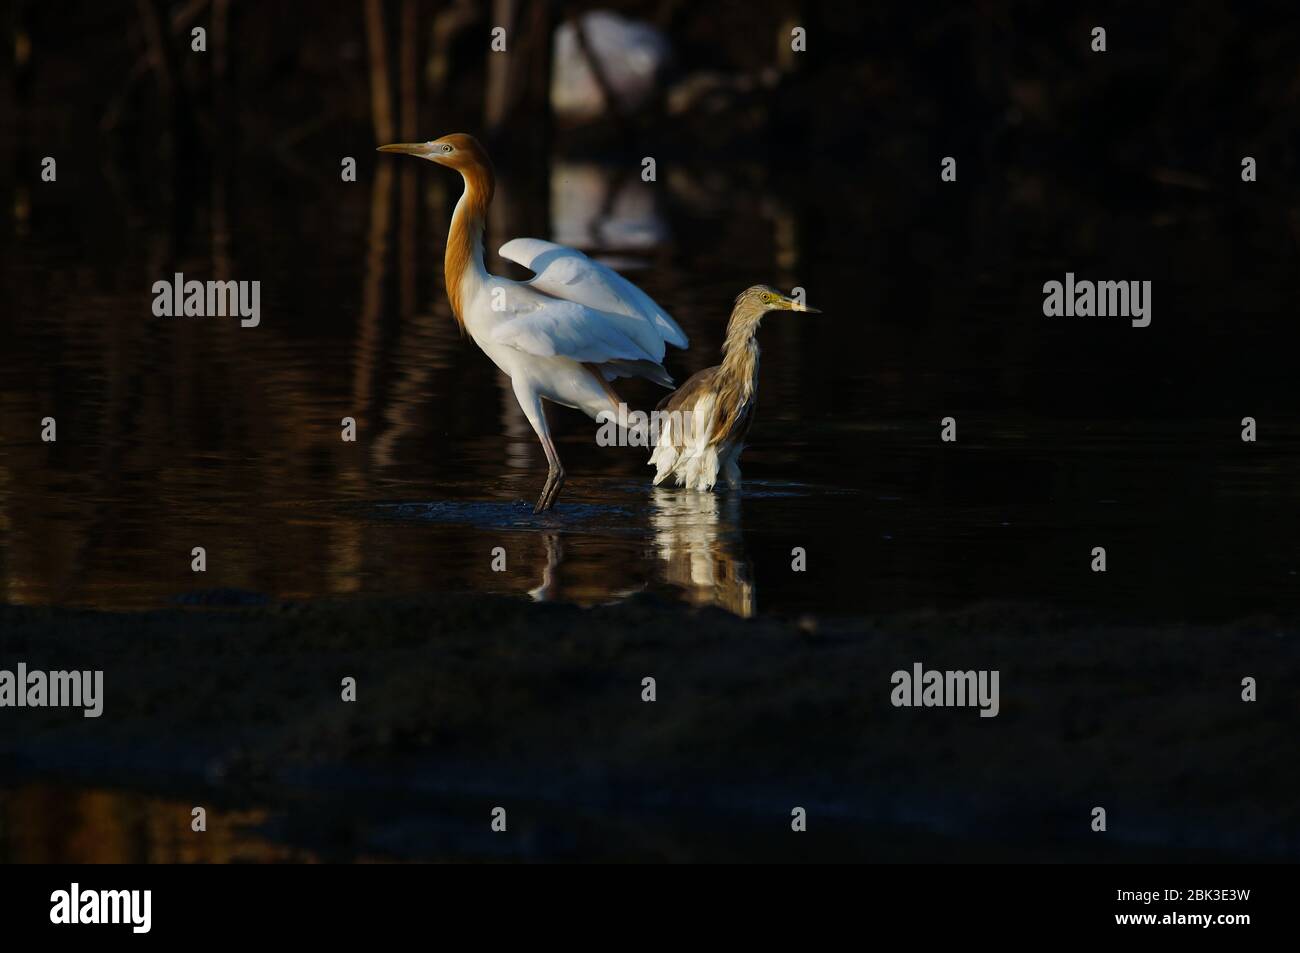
pixel 459 151
pixel 463 153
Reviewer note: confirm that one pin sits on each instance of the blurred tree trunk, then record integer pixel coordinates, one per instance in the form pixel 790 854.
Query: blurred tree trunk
pixel 408 70
pixel 447 24
pixel 408 86
pixel 13 36
pixel 8 66
pixel 381 98
pixel 517 120
pixel 517 108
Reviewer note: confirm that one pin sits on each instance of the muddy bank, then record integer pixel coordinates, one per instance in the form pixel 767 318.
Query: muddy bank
pixel 468 702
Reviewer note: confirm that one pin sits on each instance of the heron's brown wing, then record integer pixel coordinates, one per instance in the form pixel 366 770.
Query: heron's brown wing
pixel 684 397
pixel 683 401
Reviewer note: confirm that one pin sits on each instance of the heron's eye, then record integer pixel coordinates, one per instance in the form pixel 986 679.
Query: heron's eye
pixel 767 299
pixel 446 147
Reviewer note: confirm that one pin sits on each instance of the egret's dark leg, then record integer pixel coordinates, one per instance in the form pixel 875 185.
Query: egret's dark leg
pixel 554 479
pixel 531 404
pixel 542 504
pixel 555 474
pixel 555 486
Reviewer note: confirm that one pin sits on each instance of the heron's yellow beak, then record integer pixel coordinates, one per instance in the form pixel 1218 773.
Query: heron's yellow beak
pixel 794 305
pixel 423 150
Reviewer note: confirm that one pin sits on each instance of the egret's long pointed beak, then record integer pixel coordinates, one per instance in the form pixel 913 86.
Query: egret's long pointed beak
pixel 420 149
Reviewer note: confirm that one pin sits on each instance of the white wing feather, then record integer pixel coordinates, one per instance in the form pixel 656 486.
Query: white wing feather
pixel 550 327
pixel 567 273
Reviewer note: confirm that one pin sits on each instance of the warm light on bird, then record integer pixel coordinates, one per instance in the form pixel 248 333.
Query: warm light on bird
pixel 561 336
pixel 708 417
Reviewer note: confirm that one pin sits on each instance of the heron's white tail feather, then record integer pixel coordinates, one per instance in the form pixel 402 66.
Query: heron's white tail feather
pixel 686 454
pixel 701 470
pixel 663 459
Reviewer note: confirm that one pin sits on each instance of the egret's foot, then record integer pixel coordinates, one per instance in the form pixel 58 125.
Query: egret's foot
pixel 551 490
pixel 546 489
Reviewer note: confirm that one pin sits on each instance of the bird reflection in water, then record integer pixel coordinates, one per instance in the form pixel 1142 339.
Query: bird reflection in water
pixel 547 591
pixel 698 538
pixel 700 550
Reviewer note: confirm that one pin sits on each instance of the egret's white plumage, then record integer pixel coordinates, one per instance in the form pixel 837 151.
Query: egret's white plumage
pixel 567 273
pixel 703 424
pixel 561 336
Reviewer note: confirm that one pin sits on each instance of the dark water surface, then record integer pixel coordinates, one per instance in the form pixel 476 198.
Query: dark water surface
pixel 1072 433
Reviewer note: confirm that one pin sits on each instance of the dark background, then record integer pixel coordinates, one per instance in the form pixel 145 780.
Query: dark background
pixel 1073 432
pixel 817 169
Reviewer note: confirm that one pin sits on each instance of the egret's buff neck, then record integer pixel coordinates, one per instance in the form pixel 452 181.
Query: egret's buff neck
pixel 465 241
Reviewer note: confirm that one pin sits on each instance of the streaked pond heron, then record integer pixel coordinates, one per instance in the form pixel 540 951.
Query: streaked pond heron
pixel 701 426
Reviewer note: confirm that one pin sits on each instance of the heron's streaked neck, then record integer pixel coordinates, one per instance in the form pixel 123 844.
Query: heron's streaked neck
pixel 463 262
pixel 740 349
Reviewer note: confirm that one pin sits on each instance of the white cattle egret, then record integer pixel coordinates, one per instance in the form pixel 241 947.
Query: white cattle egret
pixel 563 335
pixel 702 425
